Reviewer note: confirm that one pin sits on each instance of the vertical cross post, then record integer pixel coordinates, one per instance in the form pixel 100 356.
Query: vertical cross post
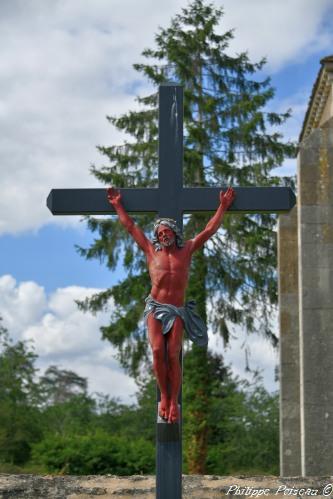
pixel 169 436
pixel 170 152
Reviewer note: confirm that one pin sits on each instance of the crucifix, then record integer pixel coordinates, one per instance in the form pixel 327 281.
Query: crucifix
pixel 170 200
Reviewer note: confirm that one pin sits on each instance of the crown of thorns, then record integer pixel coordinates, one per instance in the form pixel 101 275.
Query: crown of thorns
pixel 172 224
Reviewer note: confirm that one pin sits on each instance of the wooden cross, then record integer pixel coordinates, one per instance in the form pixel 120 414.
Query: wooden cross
pixel 170 199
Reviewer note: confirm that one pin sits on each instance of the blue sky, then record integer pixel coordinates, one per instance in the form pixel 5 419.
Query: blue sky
pixel 64 66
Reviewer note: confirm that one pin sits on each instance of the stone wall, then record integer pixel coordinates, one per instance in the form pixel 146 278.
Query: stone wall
pixel 194 486
pixel 315 246
pixel 290 420
pixel 306 313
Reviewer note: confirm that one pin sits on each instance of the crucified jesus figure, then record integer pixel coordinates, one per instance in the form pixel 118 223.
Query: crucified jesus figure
pixel 168 261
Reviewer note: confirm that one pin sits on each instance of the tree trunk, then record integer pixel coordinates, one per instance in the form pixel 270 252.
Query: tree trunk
pixel 196 380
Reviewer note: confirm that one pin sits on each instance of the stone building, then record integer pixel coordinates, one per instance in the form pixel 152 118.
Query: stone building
pixel 305 259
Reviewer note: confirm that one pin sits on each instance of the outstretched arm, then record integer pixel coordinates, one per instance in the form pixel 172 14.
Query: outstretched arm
pixel 226 199
pixel 114 198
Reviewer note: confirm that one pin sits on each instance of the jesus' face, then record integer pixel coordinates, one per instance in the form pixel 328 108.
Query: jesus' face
pixel 166 236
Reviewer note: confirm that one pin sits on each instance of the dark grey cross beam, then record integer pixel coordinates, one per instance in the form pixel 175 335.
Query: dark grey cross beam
pixel 170 199
pixel 184 199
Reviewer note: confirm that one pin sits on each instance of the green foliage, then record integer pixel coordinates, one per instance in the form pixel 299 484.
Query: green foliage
pixel 204 375
pixel 60 385
pixel 76 415
pixel 19 395
pixel 83 435
pixel 130 420
pixel 95 453
pixel 240 423
pixel 66 407
pixel 245 430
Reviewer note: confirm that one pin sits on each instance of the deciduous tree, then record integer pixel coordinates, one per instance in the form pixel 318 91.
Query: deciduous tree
pixel 19 399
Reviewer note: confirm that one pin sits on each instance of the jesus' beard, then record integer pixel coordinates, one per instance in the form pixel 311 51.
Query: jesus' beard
pixel 167 242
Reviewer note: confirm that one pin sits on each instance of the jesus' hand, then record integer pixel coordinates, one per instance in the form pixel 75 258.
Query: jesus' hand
pixel 114 196
pixel 227 198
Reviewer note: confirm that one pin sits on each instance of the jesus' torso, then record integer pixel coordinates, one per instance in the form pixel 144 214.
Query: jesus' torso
pixel 169 271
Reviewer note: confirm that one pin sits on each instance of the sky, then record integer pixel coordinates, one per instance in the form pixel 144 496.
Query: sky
pixel 64 66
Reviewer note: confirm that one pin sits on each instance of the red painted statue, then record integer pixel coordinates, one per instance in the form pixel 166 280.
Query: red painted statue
pixel 168 260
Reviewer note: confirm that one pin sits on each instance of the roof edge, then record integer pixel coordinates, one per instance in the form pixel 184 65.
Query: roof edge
pixel 318 98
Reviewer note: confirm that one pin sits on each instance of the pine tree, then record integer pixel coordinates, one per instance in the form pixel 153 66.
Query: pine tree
pixel 229 139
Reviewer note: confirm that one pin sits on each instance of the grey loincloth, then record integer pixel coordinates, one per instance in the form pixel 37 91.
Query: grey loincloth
pixel 194 326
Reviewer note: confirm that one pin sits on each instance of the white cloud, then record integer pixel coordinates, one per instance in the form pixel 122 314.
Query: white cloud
pixel 20 304
pixel 283 32
pixel 59 79
pixel 63 335
pixel 261 356
pixel 65 65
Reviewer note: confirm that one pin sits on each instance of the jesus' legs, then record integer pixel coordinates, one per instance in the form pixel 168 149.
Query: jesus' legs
pixel 157 342
pixel 174 339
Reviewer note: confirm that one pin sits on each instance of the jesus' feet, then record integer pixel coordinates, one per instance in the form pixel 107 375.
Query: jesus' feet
pixel 164 407
pixel 173 413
